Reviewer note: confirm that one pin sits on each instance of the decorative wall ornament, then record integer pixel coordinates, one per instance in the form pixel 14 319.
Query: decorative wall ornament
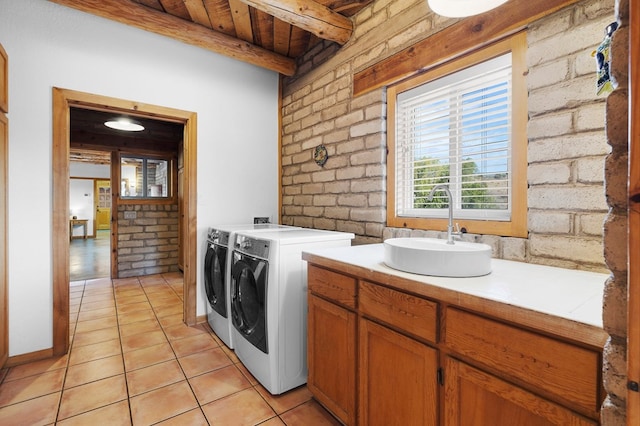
pixel 320 155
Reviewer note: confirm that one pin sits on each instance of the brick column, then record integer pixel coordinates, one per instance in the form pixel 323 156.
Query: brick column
pixel 615 227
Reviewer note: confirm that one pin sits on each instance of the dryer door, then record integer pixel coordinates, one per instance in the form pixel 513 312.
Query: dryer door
pixel 214 273
pixel 248 299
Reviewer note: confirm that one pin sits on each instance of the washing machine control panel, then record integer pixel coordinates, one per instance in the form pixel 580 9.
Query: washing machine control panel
pixel 212 234
pixel 216 236
pixel 252 246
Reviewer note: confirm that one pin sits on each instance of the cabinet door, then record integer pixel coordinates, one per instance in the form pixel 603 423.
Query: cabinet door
pixel 331 356
pixel 476 398
pixel 398 378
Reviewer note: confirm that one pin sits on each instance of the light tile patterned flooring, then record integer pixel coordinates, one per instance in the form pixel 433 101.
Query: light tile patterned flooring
pixel 133 361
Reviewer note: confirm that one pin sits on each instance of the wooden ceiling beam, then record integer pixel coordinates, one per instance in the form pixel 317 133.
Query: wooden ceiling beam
pixel 310 16
pixel 93 142
pixel 145 18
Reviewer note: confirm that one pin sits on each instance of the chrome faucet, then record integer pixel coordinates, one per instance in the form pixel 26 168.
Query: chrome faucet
pixel 451 234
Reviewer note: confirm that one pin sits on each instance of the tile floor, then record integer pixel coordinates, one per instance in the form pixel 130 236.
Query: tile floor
pixel 133 361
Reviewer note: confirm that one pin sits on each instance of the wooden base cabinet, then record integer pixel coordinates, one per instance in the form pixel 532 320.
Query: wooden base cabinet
pixel 380 355
pixel 331 354
pixel 474 397
pixel 332 342
pixel 398 378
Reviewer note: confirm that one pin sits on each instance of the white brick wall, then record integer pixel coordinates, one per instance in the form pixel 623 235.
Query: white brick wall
pixel 566 132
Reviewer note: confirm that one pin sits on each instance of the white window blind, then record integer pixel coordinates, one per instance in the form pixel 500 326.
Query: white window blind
pixel 456 130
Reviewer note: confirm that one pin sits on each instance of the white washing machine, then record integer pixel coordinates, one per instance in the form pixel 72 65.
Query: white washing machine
pixel 269 302
pixel 217 266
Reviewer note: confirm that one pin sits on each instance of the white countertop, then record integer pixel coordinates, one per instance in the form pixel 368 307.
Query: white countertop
pixel 567 294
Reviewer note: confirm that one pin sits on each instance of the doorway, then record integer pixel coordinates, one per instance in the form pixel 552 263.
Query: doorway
pixel 89 241
pixel 63 101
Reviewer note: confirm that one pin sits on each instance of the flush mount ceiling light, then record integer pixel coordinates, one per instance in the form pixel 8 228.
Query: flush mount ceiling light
pixel 124 124
pixel 462 8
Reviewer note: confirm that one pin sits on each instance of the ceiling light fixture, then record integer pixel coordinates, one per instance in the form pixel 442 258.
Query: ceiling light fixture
pixel 462 8
pixel 124 124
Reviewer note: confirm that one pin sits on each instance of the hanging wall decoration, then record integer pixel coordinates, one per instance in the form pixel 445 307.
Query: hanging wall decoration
pixel 320 155
pixel 604 84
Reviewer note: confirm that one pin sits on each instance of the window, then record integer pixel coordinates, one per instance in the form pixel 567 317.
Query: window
pixel 145 177
pixel 463 125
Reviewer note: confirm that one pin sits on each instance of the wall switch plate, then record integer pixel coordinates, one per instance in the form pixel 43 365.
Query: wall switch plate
pixel 260 220
pixel 130 215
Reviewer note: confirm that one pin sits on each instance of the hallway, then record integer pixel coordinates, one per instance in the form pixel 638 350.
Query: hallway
pixel 133 361
pixel 89 258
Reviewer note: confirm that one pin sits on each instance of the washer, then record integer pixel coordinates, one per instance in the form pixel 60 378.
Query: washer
pixel 217 264
pixel 269 302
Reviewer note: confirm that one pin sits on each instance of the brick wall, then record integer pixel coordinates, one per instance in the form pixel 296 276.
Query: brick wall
pixel 567 143
pixel 615 230
pixel 147 244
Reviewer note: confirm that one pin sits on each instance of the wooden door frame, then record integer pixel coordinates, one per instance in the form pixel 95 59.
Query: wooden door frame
pixel 63 100
pixel 4 276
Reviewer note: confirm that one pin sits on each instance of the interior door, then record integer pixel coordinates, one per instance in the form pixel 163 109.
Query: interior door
pixel 103 204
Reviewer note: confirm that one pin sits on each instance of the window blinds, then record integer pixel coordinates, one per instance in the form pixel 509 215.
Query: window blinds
pixel 457 130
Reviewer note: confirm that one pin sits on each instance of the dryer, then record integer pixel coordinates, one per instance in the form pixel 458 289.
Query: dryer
pixel 269 302
pixel 217 264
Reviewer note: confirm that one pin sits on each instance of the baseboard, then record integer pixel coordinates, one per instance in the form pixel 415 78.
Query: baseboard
pixel 29 357
pixel 201 319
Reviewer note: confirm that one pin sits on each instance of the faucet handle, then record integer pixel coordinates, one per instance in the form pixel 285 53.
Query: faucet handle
pixel 459 231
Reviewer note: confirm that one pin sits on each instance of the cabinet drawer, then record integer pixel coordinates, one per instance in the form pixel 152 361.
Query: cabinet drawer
pixel 558 368
pixel 337 287
pixel 409 313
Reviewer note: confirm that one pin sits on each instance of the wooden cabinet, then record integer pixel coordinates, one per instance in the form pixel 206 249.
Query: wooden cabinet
pixel 331 354
pixel 563 371
pixel 332 342
pixel 398 378
pixel 4 186
pixel 475 397
pixel 380 355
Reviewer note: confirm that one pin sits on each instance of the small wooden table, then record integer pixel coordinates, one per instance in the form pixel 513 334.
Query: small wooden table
pixel 78 222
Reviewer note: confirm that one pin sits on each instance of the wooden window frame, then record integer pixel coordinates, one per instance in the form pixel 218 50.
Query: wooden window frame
pixel 517 226
pixel 172 179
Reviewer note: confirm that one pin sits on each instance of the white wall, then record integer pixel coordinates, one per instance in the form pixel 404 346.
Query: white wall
pixel 87 170
pixel 81 203
pixel 51 45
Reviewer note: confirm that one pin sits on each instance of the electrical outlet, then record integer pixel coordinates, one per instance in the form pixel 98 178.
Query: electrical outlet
pixel 130 214
pixel 260 220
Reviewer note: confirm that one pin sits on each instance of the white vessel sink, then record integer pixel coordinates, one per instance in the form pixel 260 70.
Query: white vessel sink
pixel 432 256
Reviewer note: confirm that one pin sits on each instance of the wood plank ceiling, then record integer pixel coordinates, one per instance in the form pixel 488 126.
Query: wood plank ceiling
pixel 271 34
pixel 92 142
